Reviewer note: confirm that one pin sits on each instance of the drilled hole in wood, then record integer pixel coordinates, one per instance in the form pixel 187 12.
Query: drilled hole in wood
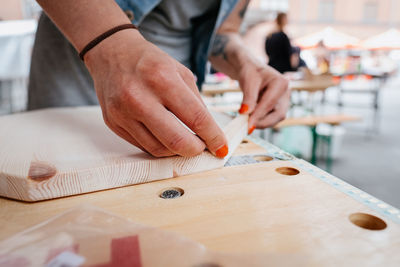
pixel 173 192
pixel 208 265
pixel 245 142
pixel 287 171
pixel 367 221
pixel 263 158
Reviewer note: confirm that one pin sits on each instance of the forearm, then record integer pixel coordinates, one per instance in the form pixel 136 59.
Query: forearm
pixel 266 96
pixel 229 54
pixel 83 20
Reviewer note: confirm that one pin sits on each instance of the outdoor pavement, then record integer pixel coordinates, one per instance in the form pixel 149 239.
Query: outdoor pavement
pixel 371 161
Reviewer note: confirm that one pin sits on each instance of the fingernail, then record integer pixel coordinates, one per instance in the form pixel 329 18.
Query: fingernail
pixel 243 108
pixel 222 152
pixel 251 129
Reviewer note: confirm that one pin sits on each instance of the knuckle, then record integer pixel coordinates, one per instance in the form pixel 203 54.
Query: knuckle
pixel 117 100
pixel 155 74
pixel 108 123
pixel 129 101
pixel 285 83
pixel 112 111
pixel 261 124
pixel 194 151
pixel 159 151
pixel 178 144
pixel 187 75
pixel 147 64
pixel 282 116
pixel 163 78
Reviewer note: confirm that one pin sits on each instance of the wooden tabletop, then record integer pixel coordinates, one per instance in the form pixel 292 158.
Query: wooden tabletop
pixel 313 120
pixel 276 206
pixel 219 88
pixel 314 84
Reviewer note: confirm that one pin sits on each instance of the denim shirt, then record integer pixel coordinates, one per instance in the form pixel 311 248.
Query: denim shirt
pixel 203 34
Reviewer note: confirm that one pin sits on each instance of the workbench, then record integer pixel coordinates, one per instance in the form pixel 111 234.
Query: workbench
pixel 276 205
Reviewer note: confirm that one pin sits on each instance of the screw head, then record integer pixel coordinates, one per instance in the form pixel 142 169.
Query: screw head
pixel 171 193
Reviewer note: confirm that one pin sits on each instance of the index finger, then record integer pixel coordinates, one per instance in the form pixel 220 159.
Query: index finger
pixel 192 112
pixel 171 133
pixel 276 89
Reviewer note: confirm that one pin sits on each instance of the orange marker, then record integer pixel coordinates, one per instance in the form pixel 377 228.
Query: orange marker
pixel 222 152
pixel 243 108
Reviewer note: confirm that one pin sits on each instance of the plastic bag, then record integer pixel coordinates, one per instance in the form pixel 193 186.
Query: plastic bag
pixel 89 236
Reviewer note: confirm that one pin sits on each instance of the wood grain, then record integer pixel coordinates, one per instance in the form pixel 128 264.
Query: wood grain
pixel 66 151
pixel 241 209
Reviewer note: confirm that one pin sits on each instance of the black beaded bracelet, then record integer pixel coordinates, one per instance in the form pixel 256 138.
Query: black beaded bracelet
pixel 103 36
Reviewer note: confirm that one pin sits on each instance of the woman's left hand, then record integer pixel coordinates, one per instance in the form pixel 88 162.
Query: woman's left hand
pixel 266 95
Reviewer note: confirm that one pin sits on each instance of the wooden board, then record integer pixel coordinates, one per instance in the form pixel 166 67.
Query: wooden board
pixel 243 209
pixel 60 152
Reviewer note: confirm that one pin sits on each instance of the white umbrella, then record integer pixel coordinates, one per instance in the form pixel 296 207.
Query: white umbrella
pixel 331 38
pixel 388 40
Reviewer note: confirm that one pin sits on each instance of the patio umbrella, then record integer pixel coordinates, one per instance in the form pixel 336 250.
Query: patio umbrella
pixel 331 38
pixel 388 40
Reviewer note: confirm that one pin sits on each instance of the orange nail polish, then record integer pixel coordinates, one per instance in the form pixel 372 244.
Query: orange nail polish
pixel 222 152
pixel 243 108
pixel 251 129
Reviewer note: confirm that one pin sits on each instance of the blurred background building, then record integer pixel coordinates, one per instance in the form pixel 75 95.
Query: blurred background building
pixel 361 18
pixel 19 9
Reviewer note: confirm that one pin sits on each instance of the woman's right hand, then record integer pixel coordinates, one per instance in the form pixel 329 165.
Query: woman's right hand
pixel 140 89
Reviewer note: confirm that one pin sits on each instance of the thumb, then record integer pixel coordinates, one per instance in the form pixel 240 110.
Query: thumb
pixel 250 88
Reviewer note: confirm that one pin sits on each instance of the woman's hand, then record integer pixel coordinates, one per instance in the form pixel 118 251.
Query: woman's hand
pixel 140 89
pixel 266 95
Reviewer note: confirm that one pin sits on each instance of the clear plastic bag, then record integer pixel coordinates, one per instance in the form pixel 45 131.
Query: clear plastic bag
pixel 89 236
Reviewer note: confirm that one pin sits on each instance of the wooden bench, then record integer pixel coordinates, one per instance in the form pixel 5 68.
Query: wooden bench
pixel 313 121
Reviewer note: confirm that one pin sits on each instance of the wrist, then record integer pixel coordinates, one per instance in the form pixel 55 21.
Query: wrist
pixel 114 47
pixel 247 63
pixel 239 56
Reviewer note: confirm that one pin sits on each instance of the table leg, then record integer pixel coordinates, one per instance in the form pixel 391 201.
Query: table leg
pixel 314 145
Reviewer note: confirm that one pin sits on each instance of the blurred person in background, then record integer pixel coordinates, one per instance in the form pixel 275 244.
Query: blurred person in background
pixel 322 56
pixel 282 56
pixel 295 59
pixel 143 77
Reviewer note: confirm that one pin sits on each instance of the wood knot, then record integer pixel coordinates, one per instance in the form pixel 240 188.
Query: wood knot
pixel 40 171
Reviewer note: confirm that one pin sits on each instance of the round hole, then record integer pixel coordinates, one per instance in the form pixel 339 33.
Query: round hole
pixel 208 264
pixel 245 142
pixel 287 171
pixel 173 192
pixel 367 221
pixel 263 158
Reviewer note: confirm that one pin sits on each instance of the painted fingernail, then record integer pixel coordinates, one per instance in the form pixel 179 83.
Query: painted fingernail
pixel 251 129
pixel 222 152
pixel 243 108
